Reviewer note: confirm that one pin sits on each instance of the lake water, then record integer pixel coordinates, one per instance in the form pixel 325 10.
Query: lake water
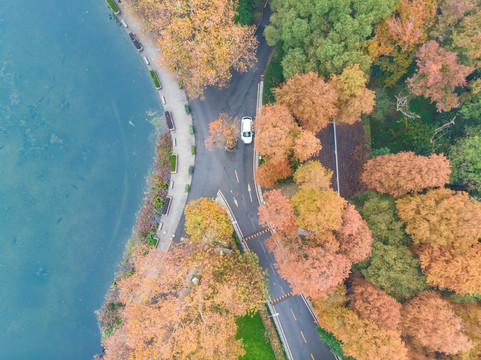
pixel 76 142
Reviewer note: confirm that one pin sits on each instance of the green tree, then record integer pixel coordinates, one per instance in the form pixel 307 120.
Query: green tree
pixel 379 211
pixel 395 270
pixel 325 35
pixel 465 157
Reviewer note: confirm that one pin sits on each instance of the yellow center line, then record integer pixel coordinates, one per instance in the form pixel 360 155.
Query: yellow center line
pixel 236 175
pixel 293 315
pixel 303 337
pixel 312 357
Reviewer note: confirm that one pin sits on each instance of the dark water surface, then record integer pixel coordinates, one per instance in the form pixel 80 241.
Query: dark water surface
pixel 76 142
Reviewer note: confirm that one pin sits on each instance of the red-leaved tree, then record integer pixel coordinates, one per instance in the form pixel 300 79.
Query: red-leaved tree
pixel 438 74
pixel 277 212
pixel 398 174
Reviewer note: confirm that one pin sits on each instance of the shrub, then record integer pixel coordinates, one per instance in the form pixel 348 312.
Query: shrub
pixel 154 77
pixel 187 109
pixel 173 163
pixel 191 170
pixel 193 149
pixel 114 7
pixel 191 129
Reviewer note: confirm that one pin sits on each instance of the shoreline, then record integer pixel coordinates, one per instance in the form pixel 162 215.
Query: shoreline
pixel 153 229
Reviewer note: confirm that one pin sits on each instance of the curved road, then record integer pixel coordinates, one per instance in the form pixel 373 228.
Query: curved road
pixel 232 173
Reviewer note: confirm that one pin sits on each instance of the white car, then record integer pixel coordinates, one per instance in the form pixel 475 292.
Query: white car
pixel 246 130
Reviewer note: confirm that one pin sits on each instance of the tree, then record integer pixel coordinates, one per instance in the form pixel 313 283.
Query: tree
pixel 312 100
pixel 373 304
pixel 451 13
pixel 310 268
pixel 379 211
pixel 324 36
pixel 318 211
pixel 183 303
pixel 401 173
pixel 272 170
pixel 395 270
pixel 441 217
pixel 467 38
pixel 199 40
pixel 207 221
pixel 278 213
pixel 431 321
pixel 470 313
pixel 354 98
pixel 454 268
pixel 313 176
pixel 437 76
pixel 465 155
pixel 360 338
pixel 306 145
pixel 354 236
pixel 275 131
pixel 224 133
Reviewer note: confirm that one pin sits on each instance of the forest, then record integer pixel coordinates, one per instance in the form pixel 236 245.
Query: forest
pixel 392 271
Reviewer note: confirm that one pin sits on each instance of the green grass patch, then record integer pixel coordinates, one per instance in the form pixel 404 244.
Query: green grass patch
pixel 156 80
pixel 173 163
pixel 114 7
pixel 253 333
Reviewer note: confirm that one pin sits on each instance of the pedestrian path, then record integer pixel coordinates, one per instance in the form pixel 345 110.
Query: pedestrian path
pixel 174 100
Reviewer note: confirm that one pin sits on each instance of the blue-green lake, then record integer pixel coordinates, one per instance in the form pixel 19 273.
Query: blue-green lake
pixel 76 143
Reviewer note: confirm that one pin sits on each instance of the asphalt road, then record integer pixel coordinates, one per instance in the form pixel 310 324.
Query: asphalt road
pixel 232 173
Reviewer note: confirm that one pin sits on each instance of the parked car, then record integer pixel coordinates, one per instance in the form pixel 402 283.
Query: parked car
pixel 246 130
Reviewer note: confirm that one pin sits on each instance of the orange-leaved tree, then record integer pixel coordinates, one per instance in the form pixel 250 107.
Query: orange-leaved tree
pixel 354 236
pixel 455 268
pixel 360 338
pixel 354 98
pixel 373 304
pixel 272 170
pixel 306 145
pixel 441 217
pixel 398 174
pixel 438 74
pixel 223 133
pixel 312 100
pixel 278 213
pixel 431 321
pixel 313 176
pixel 207 221
pixel 311 266
pixel 199 40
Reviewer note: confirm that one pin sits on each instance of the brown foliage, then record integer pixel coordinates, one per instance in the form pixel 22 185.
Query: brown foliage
pixel 354 98
pixel 199 40
pixel 401 173
pixel 306 145
pixel 272 170
pixel 223 133
pixel 318 211
pixel 373 304
pixel 437 76
pixel 310 268
pixel 455 268
pixel 313 176
pixel 312 100
pixel 278 213
pixel 470 313
pixel 361 339
pixel 431 321
pixel 168 315
pixel 354 236
pixel 406 28
pixel 275 131
pixel 441 217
